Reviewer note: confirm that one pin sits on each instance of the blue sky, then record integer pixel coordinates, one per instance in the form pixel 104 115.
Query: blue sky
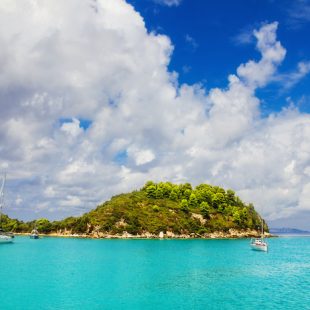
pixel 211 38
pixel 98 97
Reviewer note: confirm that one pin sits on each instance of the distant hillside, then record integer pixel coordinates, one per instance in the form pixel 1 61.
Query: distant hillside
pixel 160 207
pixel 289 231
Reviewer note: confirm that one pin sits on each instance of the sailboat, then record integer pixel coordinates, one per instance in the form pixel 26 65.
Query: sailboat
pixel 259 244
pixel 4 236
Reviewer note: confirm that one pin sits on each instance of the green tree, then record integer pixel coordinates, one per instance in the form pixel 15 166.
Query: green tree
pixel 205 209
pixel 230 194
pixel 236 216
pixel 147 184
pixel 193 202
pixel 165 188
pixel 185 187
pixel 218 199
pixel 151 191
pixel 184 205
pixel 43 225
pixel 159 193
pixel 187 193
pixel 173 195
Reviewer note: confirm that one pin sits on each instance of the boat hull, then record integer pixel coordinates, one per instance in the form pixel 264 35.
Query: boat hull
pixel 6 239
pixel 34 237
pixel 259 247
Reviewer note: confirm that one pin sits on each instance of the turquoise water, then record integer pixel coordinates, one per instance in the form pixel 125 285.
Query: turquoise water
pixel 59 273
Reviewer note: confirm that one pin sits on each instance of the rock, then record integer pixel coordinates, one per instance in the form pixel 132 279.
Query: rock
pixel 199 217
pixel 121 223
pixel 126 235
pixel 170 234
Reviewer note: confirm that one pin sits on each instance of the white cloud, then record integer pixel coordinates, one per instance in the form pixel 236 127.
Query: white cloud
pixel 141 156
pixel 298 13
pixel 168 2
pixel 257 74
pixel 245 36
pixel 288 80
pixel 102 65
pixel 191 41
pixel 72 129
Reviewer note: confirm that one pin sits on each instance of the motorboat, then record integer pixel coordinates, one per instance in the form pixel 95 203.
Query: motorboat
pixel 34 234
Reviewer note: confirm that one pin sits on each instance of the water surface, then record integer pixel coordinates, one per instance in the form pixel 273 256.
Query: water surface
pixel 60 273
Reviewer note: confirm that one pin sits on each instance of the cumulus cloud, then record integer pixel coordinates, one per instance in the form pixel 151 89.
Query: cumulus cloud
pixel 102 65
pixel 257 74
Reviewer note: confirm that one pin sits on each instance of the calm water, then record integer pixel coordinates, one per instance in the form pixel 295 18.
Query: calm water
pixel 56 273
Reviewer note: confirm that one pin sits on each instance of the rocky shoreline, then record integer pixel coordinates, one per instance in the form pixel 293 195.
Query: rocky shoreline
pixel 230 234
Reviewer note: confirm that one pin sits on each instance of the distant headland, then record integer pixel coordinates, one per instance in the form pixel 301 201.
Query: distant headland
pixel 157 210
pixel 286 230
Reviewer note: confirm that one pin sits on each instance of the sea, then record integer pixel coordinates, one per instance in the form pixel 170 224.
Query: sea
pixel 72 273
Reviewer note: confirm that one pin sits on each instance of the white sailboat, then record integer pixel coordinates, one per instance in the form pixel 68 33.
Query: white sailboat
pixel 259 244
pixel 4 236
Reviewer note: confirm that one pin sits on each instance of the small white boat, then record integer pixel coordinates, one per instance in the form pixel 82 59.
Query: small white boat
pixel 5 237
pixel 259 244
pixel 34 234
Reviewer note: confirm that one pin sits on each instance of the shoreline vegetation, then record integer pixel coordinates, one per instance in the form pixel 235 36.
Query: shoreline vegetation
pixel 158 210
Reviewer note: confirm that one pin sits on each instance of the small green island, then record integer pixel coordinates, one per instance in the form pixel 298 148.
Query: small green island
pixel 158 210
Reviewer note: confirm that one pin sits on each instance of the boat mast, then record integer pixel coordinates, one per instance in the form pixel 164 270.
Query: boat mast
pixel 2 197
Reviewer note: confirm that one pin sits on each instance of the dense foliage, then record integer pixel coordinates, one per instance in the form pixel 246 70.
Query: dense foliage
pixel 157 207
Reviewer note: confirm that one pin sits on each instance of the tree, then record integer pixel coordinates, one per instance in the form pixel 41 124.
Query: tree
pixel 165 188
pixel 218 199
pixel 244 215
pixel 230 194
pixel 173 195
pixel 205 209
pixel 187 193
pixel 184 205
pixel 151 191
pixel 236 216
pixel 43 225
pixel 184 187
pixel 193 202
pixel 147 184
pixel 159 193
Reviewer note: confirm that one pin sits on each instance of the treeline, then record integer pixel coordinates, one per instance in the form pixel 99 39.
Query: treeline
pixel 163 206
pixel 43 225
pixel 204 198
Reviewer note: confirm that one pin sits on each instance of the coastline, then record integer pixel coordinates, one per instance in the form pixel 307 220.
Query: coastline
pixel 230 234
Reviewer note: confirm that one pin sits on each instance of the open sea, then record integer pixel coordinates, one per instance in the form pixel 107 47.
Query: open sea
pixel 68 273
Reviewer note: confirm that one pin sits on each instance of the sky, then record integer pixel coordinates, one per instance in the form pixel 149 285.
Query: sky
pixel 99 96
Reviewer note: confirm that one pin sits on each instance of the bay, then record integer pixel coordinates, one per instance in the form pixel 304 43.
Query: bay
pixel 69 273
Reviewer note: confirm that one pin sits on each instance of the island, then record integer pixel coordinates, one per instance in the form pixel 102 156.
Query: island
pixel 158 210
